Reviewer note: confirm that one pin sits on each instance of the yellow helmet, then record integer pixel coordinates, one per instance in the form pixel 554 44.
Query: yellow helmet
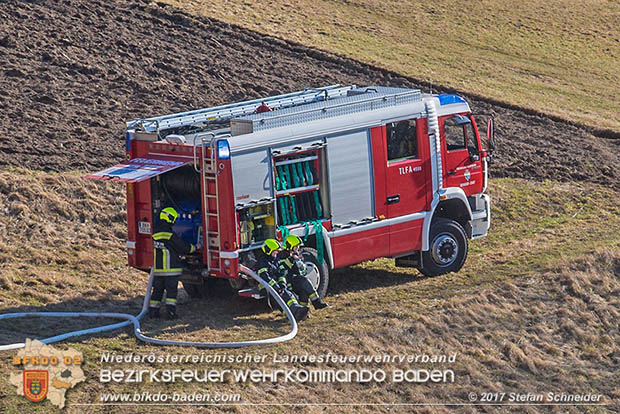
pixel 269 246
pixel 291 241
pixel 169 215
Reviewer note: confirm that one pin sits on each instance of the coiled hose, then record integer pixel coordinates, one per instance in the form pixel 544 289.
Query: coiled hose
pixel 135 320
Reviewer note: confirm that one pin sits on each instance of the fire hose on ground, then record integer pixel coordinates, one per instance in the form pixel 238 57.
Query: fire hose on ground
pixel 135 320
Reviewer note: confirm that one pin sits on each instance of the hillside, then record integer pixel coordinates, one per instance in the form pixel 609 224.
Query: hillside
pixel 535 309
pixel 559 57
pixel 74 72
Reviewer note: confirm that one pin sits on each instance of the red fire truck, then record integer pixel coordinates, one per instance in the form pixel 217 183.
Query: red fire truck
pixel 358 172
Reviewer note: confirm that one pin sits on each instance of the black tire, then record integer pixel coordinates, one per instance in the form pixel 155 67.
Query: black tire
pixel 448 247
pixel 310 256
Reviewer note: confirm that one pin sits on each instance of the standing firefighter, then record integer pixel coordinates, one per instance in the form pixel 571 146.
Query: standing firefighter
pixel 167 267
pixel 267 268
pixel 293 273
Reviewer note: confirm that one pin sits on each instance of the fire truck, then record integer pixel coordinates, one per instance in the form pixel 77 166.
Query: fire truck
pixel 358 172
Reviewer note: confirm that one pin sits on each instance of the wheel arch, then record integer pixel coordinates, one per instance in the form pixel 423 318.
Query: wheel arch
pixel 452 204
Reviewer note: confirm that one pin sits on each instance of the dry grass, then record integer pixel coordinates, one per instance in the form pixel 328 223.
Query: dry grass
pixel 534 310
pixel 560 57
pixel 62 237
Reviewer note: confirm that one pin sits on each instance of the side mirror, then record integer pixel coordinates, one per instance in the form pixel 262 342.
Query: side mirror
pixel 491 135
pixel 474 157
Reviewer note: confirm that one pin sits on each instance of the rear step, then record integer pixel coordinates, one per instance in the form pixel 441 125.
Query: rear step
pixel 254 293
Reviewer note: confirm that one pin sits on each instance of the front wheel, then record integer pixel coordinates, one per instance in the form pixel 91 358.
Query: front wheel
pixel 317 274
pixel 448 248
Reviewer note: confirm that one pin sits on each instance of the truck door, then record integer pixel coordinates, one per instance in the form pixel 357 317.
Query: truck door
pixel 406 175
pixel 402 159
pixel 460 150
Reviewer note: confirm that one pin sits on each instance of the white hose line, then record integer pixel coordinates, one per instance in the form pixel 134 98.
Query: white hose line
pixel 135 320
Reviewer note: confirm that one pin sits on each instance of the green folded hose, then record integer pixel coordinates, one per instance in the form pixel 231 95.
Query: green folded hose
pixel 282 177
pixel 289 177
pixel 309 177
pixel 317 203
pixel 300 173
pixel 296 178
pixel 318 232
pixel 283 210
pixel 293 210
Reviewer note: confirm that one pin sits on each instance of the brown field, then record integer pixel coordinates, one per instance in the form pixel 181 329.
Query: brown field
pixel 66 90
pixel 535 309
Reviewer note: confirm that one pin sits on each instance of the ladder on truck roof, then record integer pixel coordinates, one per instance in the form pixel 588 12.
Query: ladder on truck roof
pixel 227 112
pixel 355 101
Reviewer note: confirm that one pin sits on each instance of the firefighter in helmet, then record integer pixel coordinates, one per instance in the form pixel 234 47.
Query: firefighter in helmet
pixel 267 268
pixel 293 273
pixel 167 268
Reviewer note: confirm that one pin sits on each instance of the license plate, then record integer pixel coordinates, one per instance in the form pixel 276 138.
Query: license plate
pixel 144 227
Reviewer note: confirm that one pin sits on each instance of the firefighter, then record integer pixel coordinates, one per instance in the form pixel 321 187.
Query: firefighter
pixel 293 272
pixel 267 268
pixel 167 246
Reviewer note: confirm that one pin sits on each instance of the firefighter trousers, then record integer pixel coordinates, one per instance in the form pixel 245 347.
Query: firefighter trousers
pixel 170 285
pixel 285 294
pixel 303 289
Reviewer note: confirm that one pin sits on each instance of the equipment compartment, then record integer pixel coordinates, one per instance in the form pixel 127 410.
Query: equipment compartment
pixel 256 223
pixel 298 187
pixel 180 189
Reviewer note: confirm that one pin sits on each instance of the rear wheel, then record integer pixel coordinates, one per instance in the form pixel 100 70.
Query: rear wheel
pixel 317 274
pixel 448 248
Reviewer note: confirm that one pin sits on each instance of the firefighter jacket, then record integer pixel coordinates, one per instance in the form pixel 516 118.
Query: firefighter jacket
pixel 167 247
pixel 267 268
pixel 291 264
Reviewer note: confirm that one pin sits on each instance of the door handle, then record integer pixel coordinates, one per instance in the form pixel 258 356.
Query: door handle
pixel 452 172
pixel 393 199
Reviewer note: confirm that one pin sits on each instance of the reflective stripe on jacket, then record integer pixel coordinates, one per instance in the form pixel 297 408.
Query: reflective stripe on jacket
pixel 167 247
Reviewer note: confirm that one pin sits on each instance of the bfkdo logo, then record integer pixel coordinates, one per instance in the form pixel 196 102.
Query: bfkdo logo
pixel 36 385
pixel 47 372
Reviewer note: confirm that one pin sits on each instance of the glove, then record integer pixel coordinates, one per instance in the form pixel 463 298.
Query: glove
pixel 281 287
pixel 199 246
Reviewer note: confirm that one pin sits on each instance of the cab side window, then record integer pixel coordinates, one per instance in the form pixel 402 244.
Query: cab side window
pixel 402 140
pixel 456 138
pixel 472 142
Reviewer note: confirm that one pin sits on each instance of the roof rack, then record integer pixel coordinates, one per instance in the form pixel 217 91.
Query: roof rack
pixel 354 101
pixel 227 112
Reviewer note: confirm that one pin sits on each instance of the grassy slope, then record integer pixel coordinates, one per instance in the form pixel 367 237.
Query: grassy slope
pixel 524 314
pixel 560 57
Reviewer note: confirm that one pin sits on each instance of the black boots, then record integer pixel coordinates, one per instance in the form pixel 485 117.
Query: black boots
pixel 299 312
pixel 171 311
pixel 319 304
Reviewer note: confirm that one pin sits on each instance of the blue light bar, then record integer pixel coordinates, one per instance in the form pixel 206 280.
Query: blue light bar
pixel 447 99
pixel 128 140
pixel 223 149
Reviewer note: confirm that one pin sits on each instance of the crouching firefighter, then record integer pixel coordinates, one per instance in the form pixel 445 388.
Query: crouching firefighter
pixel 167 268
pixel 267 268
pixel 293 272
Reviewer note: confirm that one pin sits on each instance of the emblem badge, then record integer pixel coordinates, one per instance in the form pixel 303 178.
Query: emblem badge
pixel 36 385
pixel 467 175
